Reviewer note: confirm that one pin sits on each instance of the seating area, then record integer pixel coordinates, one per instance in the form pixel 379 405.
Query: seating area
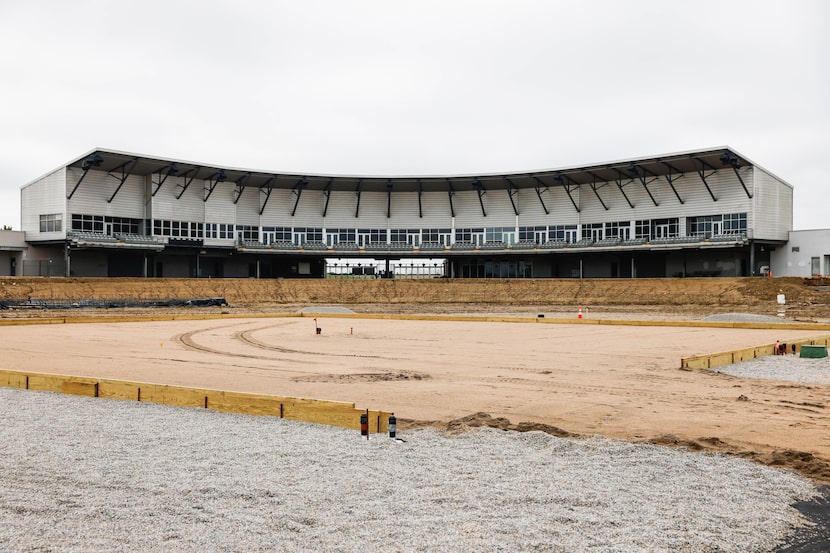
pixel 432 247
pixel 283 245
pixel 553 245
pixel 253 245
pixel 634 242
pixel 524 245
pixel 139 239
pixel 584 243
pixel 676 240
pixel 727 237
pixel 610 241
pixel 346 245
pixel 314 245
pixel 494 245
pixel 91 237
pixel 376 247
pixel 463 245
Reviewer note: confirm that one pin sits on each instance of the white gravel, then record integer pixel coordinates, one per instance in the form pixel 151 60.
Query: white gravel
pixel 782 367
pixel 86 474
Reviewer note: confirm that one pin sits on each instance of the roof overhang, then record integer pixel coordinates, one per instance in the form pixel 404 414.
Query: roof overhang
pixel 620 171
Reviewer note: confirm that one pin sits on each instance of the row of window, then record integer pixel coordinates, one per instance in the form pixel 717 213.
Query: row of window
pixel 731 223
pixel 106 224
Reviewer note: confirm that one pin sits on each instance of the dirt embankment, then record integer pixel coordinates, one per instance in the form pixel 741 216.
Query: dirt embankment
pixel 805 298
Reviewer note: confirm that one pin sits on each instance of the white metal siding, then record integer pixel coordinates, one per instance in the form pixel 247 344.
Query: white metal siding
pixel 43 197
pixel 773 207
pixel 341 211
pixel 247 208
pixel 219 208
pixel 190 207
pixel 404 211
pixel 436 210
pixel 97 188
pixel 278 209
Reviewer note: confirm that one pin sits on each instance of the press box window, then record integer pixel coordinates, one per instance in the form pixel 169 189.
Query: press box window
pixel 52 222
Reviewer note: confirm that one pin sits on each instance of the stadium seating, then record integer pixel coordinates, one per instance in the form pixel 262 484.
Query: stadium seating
pixel 432 247
pixel 314 245
pixel 524 245
pixel 346 246
pixel 463 245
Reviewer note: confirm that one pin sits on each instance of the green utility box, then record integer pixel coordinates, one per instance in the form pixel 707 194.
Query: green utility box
pixel 813 352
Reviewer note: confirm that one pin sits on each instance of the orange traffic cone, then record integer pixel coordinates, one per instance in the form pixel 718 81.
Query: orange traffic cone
pixel 579 314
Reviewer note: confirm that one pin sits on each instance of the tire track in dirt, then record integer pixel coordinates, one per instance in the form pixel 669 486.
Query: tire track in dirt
pixel 246 337
pixel 187 340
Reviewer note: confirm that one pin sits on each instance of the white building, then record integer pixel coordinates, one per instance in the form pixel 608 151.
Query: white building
pixel 706 212
pixel 806 254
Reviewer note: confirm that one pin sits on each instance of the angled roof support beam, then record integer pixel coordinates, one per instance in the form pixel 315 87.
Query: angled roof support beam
pixel 596 188
pixel 729 158
pixel 267 193
pixel 124 174
pixel 213 180
pixel 420 193
pixel 670 178
pixel 635 170
pixel 703 176
pixel 241 183
pixel 94 160
pixel 327 193
pixel 559 177
pixel 479 188
pixel 539 191
pixel 388 198
pixel 171 170
pixel 187 181
pixel 357 191
pixel 298 190
pixel 738 174
pixel 621 186
pixel 512 190
pixel 451 193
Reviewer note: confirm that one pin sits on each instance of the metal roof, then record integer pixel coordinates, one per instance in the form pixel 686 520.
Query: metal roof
pixel 621 171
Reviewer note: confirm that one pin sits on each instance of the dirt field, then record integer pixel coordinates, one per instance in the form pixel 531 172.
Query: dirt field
pixel 806 298
pixel 617 381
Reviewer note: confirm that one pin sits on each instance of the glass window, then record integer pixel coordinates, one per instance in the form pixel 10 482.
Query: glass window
pixel 52 222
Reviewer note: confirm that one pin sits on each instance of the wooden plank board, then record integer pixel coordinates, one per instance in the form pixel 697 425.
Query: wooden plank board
pixel 80 387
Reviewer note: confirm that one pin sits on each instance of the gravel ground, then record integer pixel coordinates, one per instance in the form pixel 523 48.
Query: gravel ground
pixel 782 367
pixel 86 474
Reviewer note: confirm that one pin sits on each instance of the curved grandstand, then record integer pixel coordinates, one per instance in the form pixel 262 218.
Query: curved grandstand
pixel 707 212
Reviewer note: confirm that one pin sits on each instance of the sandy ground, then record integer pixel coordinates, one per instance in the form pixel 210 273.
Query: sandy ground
pixel 617 381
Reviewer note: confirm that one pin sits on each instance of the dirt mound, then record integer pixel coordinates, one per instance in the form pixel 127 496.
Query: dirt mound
pixel 481 419
pixel 688 291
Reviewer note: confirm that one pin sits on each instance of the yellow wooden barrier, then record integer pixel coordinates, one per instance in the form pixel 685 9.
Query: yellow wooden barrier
pixel 713 360
pixel 331 413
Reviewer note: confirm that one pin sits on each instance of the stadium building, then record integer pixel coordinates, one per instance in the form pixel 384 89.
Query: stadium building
pixel 710 212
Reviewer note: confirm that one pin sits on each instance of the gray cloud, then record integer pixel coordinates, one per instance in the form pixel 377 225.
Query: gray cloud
pixel 415 88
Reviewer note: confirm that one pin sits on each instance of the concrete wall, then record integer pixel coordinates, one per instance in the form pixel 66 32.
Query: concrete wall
pixel 795 258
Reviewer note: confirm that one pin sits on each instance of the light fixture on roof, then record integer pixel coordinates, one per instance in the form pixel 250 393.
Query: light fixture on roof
pixel 728 158
pixel 94 160
pixel 173 169
pixel 557 177
pixel 221 177
pixel 389 185
pixel 632 168
pixel 476 184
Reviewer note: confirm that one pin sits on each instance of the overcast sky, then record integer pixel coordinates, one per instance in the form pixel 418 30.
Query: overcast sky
pixel 428 87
